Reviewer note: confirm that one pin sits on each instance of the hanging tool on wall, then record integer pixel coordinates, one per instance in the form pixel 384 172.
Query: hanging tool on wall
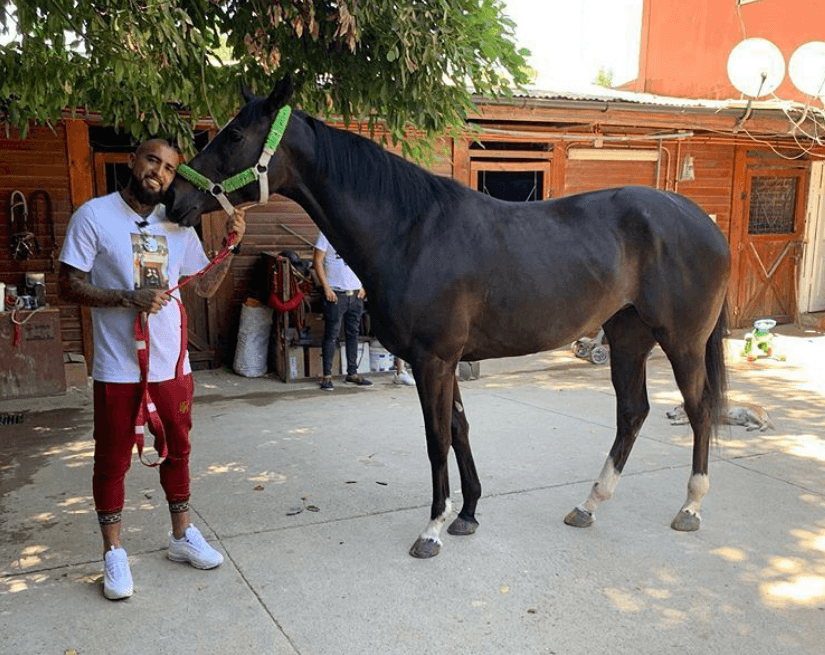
pixel 40 203
pixel 291 283
pixel 23 243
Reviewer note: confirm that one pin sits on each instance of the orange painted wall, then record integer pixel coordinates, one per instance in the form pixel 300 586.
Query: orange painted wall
pixel 685 45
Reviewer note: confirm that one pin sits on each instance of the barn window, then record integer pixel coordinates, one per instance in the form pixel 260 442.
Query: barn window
pixel 772 205
pixel 517 185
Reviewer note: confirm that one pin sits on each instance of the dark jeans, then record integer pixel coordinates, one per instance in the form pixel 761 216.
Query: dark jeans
pixel 348 310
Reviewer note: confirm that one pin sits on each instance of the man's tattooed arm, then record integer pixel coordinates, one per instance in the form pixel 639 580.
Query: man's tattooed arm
pixel 208 284
pixel 75 287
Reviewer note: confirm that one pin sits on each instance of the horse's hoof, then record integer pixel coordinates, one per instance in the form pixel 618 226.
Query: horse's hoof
pixel 578 518
pixel 461 527
pixel 425 548
pixel 686 522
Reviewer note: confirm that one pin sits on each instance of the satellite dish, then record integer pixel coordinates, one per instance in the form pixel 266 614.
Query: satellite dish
pixel 756 67
pixel 807 68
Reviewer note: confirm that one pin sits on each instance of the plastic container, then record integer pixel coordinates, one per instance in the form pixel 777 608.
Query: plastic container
pixel 364 358
pixel 380 358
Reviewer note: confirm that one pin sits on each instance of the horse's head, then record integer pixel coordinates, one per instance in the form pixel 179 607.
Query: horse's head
pixel 235 149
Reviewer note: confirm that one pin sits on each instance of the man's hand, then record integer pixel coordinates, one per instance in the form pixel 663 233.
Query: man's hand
pixel 237 223
pixel 146 300
pixel 208 283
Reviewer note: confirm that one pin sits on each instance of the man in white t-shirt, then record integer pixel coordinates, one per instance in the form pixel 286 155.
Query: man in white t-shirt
pixel 343 301
pixel 120 257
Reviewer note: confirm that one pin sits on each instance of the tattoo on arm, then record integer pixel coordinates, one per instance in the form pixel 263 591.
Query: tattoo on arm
pixel 75 287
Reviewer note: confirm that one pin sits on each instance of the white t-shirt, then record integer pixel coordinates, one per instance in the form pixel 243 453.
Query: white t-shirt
pixel 104 240
pixel 339 275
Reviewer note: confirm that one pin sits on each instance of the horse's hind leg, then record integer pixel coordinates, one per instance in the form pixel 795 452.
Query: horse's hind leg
pixel 465 523
pixel 690 372
pixel 630 342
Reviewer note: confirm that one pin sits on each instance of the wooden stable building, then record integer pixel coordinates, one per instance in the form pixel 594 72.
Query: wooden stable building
pixel 747 166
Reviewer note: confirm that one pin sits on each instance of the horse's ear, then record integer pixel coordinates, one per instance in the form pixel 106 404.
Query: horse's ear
pixel 280 95
pixel 247 94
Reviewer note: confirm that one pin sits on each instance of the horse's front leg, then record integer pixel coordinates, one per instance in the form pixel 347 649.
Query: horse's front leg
pixel 435 382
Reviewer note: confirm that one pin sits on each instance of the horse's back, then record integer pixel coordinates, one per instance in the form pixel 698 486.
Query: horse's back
pixel 547 272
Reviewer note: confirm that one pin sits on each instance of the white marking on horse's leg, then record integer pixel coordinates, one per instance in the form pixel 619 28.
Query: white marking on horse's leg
pixel 459 407
pixel 603 488
pixel 433 530
pixel 698 487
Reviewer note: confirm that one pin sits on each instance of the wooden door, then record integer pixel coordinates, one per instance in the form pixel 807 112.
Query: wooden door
pixel 204 327
pixel 812 274
pixel 767 237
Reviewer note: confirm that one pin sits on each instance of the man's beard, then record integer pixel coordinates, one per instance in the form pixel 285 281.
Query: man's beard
pixel 142 194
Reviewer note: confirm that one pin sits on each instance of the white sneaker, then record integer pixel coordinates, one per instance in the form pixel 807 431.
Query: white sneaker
pixel 193 548
pixel 117 578
pixel 404 378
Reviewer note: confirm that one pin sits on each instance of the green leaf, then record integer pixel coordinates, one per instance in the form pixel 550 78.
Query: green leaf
pixel 413 64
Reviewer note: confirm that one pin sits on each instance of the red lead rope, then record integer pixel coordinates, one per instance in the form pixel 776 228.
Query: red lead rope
pixel 147 414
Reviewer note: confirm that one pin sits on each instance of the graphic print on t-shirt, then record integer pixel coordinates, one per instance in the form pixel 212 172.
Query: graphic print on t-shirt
pixel 151 258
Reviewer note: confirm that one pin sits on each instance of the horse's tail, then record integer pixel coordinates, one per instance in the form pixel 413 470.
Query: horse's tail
pixel 717 378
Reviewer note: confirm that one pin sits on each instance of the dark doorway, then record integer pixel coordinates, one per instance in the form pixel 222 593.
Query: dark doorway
pixel 515 185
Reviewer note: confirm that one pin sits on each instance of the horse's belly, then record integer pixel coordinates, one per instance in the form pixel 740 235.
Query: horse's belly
pixel 526 333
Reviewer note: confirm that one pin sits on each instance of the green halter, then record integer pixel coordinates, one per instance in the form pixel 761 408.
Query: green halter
pixel 239 180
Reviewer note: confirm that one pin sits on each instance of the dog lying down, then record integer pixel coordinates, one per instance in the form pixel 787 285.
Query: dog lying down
pixel 752 417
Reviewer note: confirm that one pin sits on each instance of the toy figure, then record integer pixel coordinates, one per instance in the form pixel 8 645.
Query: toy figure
pixel 760 341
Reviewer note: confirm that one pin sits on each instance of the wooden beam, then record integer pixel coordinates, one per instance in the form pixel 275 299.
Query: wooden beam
pixel 610 113
pixel 737 234
pixel 81 189
pixel 79 153
pixel 558 170
pixel 529 155
pixel 461 161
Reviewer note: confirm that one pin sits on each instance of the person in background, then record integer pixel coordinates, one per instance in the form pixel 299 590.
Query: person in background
pixel 343 302
pixel 402 375
pixel 120 257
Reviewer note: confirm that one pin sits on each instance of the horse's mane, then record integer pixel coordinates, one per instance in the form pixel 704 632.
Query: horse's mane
pixel 363 167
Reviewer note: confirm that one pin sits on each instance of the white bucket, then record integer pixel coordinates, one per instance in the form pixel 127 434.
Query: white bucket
pixel 363 357
pixel 380 359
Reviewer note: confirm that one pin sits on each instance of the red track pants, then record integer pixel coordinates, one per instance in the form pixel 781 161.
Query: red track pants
pixel 115 406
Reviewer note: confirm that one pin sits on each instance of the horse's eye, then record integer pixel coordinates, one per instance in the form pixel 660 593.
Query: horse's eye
pixel 236 135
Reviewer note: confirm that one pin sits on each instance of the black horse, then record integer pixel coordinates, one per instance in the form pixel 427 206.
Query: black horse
pixel 454 275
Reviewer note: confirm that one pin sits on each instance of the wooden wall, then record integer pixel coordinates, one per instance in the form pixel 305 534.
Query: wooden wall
pixel 38 163
pixel 58 163
pixel 584 175
pixel 712 188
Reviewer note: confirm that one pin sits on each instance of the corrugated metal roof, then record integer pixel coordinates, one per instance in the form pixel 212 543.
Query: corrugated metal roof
pixel 594 93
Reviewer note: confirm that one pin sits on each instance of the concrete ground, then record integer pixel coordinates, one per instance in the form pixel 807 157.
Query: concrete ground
pixel 316 497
